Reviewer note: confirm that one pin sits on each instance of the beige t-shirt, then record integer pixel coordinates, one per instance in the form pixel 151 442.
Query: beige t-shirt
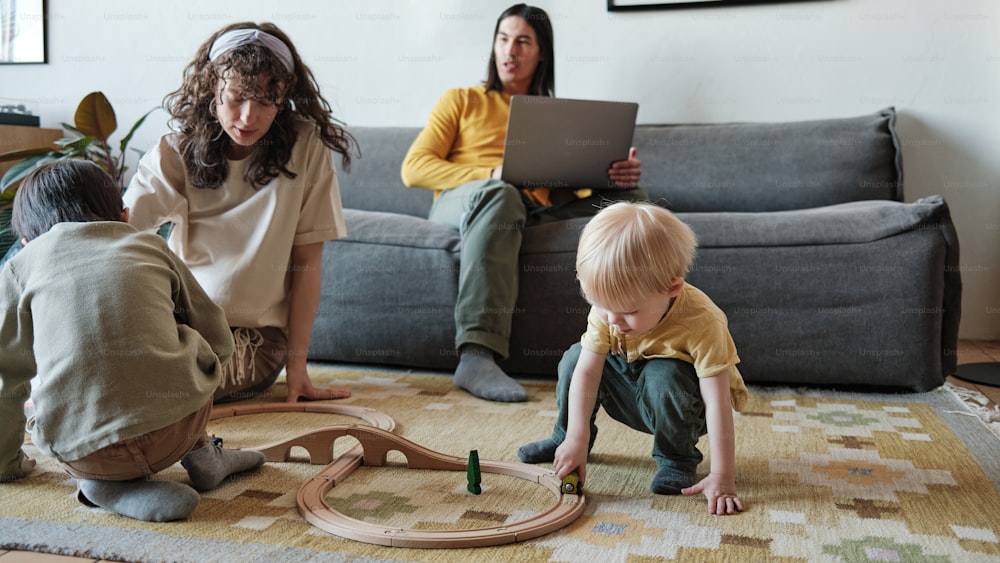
pixel 237 240
pixel 694 330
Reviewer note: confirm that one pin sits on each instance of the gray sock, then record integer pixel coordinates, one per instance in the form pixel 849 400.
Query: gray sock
pixel 479 374
pixel 670 481
pixel 149 500
pixel 542 451
pixel 210 464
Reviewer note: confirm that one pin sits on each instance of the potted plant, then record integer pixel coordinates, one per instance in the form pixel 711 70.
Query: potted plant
pixel 93 124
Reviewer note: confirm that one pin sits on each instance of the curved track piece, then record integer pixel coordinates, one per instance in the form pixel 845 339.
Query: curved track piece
pixel 375 442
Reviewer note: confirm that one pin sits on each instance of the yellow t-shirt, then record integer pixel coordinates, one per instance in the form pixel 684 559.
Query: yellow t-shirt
pixel 694 330
pixel 463 141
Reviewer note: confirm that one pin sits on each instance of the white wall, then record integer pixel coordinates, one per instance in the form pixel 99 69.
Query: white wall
pixel 385 62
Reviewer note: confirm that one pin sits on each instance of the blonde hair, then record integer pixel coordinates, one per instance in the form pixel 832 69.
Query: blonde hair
pixel 631 250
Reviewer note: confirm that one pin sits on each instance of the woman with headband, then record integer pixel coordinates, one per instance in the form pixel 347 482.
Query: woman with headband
pixel 247 179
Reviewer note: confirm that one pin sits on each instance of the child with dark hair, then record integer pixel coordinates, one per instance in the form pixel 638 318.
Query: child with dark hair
pixel 116 344
pixel 247 179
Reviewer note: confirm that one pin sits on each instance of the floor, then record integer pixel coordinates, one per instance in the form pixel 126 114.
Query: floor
pixel 974 351
pixel 968 352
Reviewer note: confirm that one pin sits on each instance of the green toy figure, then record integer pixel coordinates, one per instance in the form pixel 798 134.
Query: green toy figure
pixel 475 474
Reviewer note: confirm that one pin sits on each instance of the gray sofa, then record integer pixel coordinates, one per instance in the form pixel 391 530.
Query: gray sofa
pixel 828 278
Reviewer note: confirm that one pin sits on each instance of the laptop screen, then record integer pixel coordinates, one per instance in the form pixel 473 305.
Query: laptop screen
pixel 565 143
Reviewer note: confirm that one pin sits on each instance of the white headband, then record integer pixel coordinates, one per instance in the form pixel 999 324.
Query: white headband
pixel 238 37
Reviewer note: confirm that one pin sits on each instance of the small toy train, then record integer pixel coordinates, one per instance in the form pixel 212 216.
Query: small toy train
pixel 571 484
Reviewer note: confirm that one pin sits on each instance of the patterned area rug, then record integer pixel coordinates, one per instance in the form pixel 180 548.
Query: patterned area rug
pixel 826 477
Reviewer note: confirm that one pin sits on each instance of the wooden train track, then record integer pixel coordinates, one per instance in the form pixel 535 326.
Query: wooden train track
pixel 374 444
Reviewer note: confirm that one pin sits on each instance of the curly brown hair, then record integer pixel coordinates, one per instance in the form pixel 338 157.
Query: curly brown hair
pixel 203 142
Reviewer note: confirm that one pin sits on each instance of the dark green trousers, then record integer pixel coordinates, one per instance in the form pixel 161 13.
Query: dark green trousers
pixel 490 215
pixel 660 396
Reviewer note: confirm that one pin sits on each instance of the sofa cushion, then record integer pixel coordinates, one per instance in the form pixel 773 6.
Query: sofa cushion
pixel 876 302
pixel 771 166
pixel 388 294
pixel 693 167
pixel 845 223
pixel 374 182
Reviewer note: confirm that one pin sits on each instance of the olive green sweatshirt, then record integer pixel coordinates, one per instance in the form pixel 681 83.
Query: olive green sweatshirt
pixel 109 333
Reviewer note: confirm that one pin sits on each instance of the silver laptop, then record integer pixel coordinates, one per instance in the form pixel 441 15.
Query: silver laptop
pixel 565 143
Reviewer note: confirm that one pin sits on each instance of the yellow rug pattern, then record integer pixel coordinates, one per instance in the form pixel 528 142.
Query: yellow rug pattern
pixel 825 476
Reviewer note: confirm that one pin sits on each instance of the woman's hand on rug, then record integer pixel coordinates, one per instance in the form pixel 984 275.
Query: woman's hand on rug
pixel 720 492
pixel 301 388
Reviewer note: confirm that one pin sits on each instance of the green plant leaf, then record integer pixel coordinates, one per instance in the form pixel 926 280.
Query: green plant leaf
pixel 72 129
pixel 121 159
pixel 87 138
pixel 128 137
pixel 98 149
pixel 21 169
pixel 80 144
pixel 24 153
pixel 95 117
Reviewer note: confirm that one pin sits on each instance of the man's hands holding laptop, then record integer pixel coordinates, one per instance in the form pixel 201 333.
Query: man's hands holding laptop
pixel 624 173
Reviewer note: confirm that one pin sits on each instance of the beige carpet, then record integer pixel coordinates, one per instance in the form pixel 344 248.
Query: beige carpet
pixel 826 477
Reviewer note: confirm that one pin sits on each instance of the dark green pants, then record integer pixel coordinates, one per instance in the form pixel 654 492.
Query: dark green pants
pixel 490 215
pixel 661 397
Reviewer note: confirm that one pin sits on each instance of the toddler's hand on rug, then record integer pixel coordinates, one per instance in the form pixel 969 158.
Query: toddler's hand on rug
pixel 571 456
pixel 720 492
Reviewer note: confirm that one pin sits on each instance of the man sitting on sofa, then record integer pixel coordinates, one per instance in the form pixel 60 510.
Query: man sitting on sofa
pixel 458 154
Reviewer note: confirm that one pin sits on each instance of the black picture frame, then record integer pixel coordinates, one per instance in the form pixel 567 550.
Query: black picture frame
pixel 636 5
pixel 23 32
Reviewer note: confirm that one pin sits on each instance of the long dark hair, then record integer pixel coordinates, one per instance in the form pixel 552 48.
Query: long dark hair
pixel 64 191
pixel 202 140
pixel 543 83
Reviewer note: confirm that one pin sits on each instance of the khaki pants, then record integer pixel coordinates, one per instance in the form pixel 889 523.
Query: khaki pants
pixel 258 359
pixel 145 455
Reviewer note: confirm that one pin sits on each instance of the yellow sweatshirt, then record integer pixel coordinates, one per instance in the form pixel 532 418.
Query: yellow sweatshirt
pixel 462 141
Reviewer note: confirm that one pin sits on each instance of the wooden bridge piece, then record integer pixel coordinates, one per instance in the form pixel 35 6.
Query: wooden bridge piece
pixel 317 442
